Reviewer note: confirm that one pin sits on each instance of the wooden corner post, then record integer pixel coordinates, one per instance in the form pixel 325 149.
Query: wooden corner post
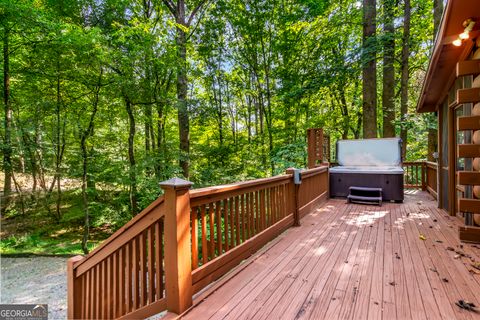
pixel 178 267
pixel 314 147
pixel 73 291
pixel 294 198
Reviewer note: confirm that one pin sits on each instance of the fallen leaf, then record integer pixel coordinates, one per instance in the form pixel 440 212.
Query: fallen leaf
pixel 444 279
pixel 439 241
pixel 422 237
pixel 392 283
pixel 450 249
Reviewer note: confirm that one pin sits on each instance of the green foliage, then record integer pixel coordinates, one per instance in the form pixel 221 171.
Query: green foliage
pixel 260 73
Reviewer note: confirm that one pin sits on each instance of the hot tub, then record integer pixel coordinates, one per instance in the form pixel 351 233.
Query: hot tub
pixel 373 163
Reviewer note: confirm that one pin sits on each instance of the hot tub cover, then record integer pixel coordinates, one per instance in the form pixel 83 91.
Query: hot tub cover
pixel 385 152
pixel 367 169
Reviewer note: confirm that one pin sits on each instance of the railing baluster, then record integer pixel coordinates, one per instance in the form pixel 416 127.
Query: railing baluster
pixel 232 222
pixel 150 268
pixel 211 221
pixel 159 260
pixel 226 224
pixel 204 235
pixel 219 227
pixel 194 232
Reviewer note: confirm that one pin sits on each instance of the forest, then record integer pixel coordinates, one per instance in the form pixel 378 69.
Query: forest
pixel 104 99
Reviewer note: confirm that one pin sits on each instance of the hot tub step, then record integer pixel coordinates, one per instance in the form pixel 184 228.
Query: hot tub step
pixel 363 194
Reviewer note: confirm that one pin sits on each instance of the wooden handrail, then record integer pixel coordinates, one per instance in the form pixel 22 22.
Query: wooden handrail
pixel 144 267
pixel 131 229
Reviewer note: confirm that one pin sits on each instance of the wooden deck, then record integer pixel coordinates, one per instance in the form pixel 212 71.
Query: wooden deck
pixel 350 261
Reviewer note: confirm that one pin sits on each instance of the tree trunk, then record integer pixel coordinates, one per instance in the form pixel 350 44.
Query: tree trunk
pixel 388 94
pixel 7 149
pixel 432 132
pixel 182 90
pixel 437 16
pixel 369 70
pixel 83 146
pixel 404 77
pixel 131 157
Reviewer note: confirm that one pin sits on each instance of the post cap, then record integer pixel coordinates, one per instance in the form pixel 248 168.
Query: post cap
pixel 176 184
pixel 290 170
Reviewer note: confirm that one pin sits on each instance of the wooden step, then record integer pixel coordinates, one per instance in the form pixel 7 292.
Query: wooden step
pixel 353 198
pixel 365 189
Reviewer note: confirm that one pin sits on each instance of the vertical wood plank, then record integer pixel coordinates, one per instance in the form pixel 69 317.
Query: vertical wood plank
pixel 252 214
pixel 219 228
pixel 143 272
pixel 237 220
pixel 136 280
pixel 194 236
pixel 121 281
pixel 84 295
pixel 204 235
pixel 111 291
pixel 232 222
pixel 262 210
pixel 226 225
pixel 243 207
pixel 158 261
pixel 248 214
pixel 87 314
pixel 115 285
pixel 98 292
pixel 150 259
pixel 211 221
pixel 128 273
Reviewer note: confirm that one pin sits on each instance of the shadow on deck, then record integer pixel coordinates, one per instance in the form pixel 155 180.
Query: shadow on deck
pixel 349 261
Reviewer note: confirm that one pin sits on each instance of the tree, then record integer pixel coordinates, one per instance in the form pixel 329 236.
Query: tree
pixel 183 22
pixel 432 131
pixel 388 93
pixel 369 52
pixel 7 144
pixel 404 77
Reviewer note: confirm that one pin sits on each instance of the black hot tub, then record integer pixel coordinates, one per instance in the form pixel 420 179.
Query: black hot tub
pixel 373 163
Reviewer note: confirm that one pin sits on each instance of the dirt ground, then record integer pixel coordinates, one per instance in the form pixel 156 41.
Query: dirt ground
pixel 35 280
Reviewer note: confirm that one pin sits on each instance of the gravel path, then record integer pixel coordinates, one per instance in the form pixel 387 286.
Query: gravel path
pixel 35 280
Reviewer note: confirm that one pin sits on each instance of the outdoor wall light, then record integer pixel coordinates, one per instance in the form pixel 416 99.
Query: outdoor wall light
pixel 457 42
pixel 468 25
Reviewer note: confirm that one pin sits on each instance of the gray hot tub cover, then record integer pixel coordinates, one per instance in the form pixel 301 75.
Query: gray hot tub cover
pixel 386 152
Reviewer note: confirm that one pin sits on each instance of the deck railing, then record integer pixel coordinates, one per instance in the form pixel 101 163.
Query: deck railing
pixel 183 242
pixel 431 177
pixel 414 174
pixel 421 175
pixel 125 274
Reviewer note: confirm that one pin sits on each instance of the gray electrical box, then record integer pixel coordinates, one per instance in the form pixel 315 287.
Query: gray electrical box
pixel 297 177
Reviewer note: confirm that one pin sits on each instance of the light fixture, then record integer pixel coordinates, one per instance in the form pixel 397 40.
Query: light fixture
pixel 464 35
pixel 457 42
pixel 468 25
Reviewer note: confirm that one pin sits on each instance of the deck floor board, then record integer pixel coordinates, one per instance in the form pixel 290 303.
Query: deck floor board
pixel 352 261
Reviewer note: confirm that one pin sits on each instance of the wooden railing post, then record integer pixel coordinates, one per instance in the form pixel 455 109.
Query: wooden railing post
pixel 73 292
pixel 178 267
pixel 294 198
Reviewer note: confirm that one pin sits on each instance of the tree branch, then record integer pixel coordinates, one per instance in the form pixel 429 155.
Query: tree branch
pixel 171 6
pixel 194 12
